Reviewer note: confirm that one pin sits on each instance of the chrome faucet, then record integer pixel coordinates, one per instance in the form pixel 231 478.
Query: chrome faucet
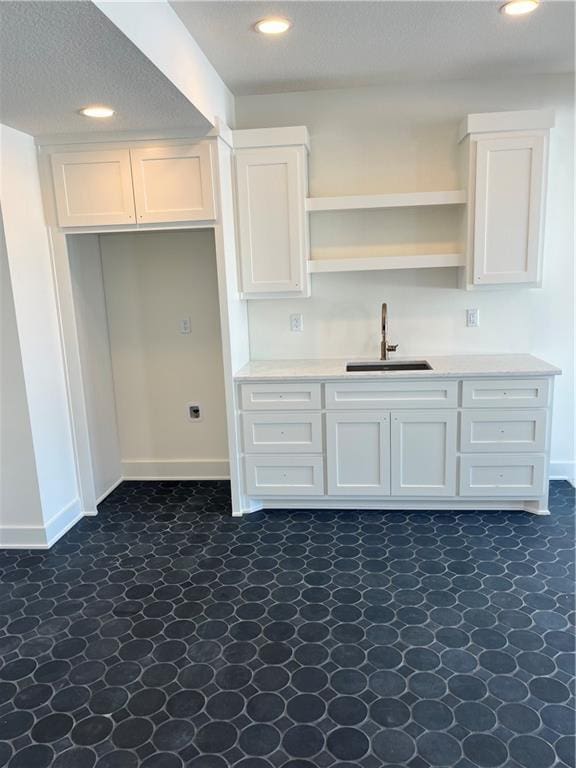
pixel 385 348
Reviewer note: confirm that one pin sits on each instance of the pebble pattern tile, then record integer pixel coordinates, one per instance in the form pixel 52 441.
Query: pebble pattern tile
pixel 163 633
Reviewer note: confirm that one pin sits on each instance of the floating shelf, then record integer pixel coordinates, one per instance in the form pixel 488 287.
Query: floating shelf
pixel 375 263
pixel 399 200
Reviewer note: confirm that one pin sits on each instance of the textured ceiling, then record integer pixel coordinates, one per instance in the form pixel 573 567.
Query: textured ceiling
pixel 56 57
pixel 341 43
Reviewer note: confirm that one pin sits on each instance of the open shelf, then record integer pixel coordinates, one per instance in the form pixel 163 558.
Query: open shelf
pixel 398 200
pixel 416 261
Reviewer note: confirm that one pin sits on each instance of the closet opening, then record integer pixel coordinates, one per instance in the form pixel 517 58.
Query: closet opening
pixel 148 323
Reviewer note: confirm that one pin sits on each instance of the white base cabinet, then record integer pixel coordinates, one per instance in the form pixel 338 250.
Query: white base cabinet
pixel 375 444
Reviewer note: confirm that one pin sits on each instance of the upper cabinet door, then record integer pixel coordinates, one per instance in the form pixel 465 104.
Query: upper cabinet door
pixel 508 209
pixel 423 453
pixel 93 188
pixel 173 183
pixel 272 225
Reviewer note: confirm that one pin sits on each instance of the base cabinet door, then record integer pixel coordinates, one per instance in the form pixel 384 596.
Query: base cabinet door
pixel 358 454
pixel 423 451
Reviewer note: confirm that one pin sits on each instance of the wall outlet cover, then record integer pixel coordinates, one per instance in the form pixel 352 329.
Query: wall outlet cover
pixel 185 325
pixel 296 323
pixel 194 411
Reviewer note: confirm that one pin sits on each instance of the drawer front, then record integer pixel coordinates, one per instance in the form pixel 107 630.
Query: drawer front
pixel 284 475
pixel 282 432
pixel 507 393
pixel 493 431
pixel 386 395
pixel 268 397
pixel 521 476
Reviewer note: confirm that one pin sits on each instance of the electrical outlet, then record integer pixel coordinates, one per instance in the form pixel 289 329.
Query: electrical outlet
pixel 185 325
pixel 194 411
pixel 472 318
pixel 296 323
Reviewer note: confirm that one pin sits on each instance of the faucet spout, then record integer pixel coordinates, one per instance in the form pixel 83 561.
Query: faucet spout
pixel 385 348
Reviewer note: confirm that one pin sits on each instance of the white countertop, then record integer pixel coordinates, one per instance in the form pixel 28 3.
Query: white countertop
pixel 449 366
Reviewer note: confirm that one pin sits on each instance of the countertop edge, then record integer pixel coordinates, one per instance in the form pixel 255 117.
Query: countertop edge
pixel 486 369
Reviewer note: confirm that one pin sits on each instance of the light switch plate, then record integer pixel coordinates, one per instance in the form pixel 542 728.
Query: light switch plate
pixel 472 318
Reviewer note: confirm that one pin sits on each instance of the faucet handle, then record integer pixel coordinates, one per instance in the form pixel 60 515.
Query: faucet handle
pixel 392 347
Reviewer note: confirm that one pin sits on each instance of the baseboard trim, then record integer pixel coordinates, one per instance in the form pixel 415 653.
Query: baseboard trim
pixel 563 470
pixel 42 536
pixel 185 469
pixel 106 493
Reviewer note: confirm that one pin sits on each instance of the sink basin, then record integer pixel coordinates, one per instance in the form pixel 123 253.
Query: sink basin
pixel 390 365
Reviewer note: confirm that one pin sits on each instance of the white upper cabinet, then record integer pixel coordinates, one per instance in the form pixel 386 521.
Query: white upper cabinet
pixel 173 183
pixel 93 188
pixel 271 189
pixel 507 211
pixel 506 167
pixel 144 185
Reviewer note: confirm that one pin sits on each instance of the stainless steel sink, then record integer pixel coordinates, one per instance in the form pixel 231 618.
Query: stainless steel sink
pixel 390 365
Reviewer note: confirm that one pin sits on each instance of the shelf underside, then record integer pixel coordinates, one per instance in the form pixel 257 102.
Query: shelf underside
pixel 396 200
pixel 376 263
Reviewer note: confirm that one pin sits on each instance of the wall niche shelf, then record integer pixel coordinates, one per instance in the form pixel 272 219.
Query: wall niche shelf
pixel 376 263
pixel 396 200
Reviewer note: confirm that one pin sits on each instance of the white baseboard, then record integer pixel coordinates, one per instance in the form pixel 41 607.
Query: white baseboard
pixel 188 469
pixel 563 470
pixel 41 536
pixel 106 493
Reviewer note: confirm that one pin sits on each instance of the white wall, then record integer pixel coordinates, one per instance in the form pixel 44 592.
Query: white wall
pixel 152 280
pixel 19 494
pixel 92 325
pixel 404 138
pixel 35 304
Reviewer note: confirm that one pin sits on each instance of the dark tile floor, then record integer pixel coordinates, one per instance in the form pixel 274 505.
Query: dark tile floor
pixel 163 633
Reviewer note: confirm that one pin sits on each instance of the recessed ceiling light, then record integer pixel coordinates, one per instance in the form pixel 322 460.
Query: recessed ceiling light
pixel 273 25
pixel 97 110
pixel 519 7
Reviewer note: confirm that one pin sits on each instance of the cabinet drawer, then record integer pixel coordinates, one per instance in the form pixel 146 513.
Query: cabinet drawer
pixel 284 475
pixel 521 475
pixel 391 394
pixel 282 432
pixel 275 397
pixel 515 430
pixel 510 393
